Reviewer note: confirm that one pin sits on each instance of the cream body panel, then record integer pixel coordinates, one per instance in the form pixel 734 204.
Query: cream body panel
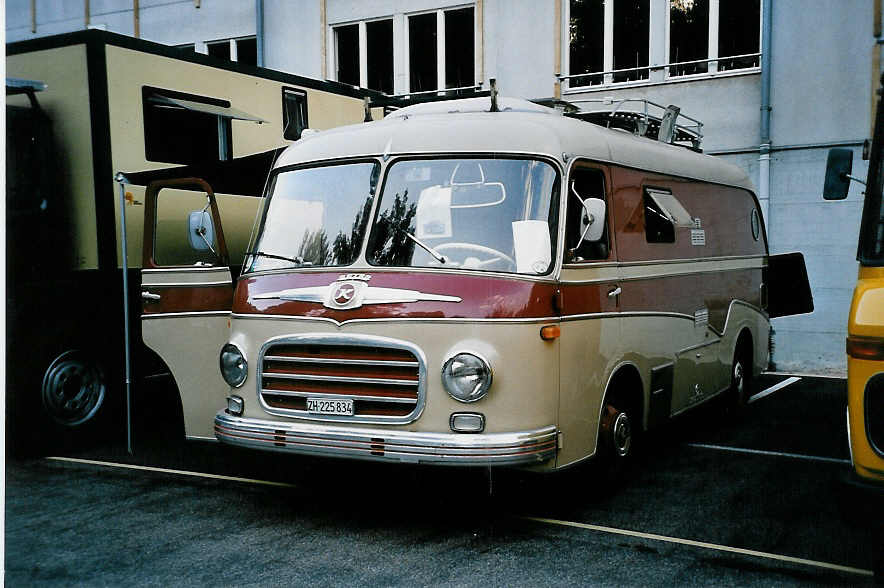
pixel 591 348
pixel 190 344
pixel 524 390
pixel 66 101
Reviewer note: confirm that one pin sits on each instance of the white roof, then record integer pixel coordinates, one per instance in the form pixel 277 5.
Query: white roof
pixel 467 126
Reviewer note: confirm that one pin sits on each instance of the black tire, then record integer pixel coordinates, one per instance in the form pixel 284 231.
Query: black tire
pixel 74 388
pixel 617 440
pixel 742 376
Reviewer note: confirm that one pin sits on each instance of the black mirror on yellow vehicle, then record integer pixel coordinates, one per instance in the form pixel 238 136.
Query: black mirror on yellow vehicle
pixel 838 168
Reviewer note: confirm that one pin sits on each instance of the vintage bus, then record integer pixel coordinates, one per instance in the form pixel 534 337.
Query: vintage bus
pixel 865 326
pixel 479 282
pixel 82 107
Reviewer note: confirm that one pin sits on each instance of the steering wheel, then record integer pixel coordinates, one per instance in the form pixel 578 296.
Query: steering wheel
pixel 479 249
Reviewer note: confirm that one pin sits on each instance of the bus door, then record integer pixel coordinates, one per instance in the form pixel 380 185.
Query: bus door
pixel 187 294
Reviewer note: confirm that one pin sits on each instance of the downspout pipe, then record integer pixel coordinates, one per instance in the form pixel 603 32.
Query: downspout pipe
pixel 764 148
pixel 259 30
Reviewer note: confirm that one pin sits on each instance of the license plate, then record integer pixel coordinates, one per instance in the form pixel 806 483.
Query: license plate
pixel 343 406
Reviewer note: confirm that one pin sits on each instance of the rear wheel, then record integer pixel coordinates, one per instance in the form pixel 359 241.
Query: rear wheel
pixel 74 388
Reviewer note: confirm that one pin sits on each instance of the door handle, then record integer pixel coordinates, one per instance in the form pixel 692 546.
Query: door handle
pixel 150 297
pixel 615 292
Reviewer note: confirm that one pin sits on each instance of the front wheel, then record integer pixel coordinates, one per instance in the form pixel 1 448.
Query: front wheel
pixel 617 441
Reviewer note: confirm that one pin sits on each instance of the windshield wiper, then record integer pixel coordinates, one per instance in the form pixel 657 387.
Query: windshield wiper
pixel 439 257
pixel 299 260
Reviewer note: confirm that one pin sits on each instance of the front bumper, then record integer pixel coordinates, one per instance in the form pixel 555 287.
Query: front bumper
pixel 517 448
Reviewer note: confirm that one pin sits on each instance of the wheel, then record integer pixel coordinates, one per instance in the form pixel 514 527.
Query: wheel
pixel 617 441
pixel 741 388
pixel 495 255
pixel 74 388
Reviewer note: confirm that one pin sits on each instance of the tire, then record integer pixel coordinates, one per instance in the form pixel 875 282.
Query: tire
pixel 617 441
pixel 742 377
pixel 74 388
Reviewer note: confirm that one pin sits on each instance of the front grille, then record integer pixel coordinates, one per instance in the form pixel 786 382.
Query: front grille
pixel 384 377
pixel 875 412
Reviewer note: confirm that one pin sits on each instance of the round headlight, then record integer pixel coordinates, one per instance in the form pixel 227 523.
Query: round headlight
pixel 234 367
pixel 466 377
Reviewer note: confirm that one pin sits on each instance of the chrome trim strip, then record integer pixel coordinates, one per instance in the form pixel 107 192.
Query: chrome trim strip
pixel 372 341
pixel 298 394
pixel 622 264
pixel 184 269
pixel 144 317
pixel 187 284
pixel 698 346
pixel 480 449
pixel 342 379
pixel 370 362
pixel 622 278
pixel 395 319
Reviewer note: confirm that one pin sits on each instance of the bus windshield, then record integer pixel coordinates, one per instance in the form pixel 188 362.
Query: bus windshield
pixel 314 217
pixel 476 214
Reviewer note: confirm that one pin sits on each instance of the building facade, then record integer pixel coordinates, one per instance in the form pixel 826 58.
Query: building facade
pixel 777 83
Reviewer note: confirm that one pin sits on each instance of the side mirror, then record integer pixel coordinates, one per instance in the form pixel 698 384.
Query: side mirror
pixel 592 224
pixel 838 168
pixel 200 230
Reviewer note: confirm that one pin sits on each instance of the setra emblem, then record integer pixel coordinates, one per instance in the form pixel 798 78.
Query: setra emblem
pixel 344 294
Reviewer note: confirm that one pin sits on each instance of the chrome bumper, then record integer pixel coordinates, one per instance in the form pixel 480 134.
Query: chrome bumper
pixel 519 448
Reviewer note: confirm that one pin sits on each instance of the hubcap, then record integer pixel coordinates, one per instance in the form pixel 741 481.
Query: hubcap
pixel 622 433
pixel 73 389
pixel 738 378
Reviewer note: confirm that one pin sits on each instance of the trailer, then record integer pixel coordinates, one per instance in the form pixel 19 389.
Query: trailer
pixel 81 107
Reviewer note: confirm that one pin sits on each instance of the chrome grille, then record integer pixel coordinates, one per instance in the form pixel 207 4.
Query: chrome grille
pixel 384 377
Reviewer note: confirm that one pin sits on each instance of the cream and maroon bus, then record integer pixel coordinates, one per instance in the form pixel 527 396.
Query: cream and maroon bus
pixel 482 282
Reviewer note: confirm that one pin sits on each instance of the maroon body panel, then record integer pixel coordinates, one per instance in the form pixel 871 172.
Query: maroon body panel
pixel 190 299
pixel 481 296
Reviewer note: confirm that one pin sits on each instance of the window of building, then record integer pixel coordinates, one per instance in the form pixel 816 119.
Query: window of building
pixel 363 54
pixel 347 54
pixel 422 52
pixel 611 42
pixel 460 57
pixel 247 51
pixel 427 52
pixel 219 49
pixel 379 54
pixel 631 39
pixel 294 113
pixel 739 33
pixel 244 50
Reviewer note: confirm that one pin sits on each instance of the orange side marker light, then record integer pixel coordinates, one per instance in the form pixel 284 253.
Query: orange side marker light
pixel 550 332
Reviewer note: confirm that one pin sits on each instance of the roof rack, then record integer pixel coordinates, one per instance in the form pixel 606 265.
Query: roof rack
pixel 640 116
pixel 393 102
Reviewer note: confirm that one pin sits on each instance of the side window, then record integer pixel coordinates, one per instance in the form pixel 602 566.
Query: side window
pixel 582 184
pixel 294 113
pixel 663 213
pixel 183 128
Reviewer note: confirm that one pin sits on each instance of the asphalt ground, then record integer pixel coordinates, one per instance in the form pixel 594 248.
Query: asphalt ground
pixel 752 498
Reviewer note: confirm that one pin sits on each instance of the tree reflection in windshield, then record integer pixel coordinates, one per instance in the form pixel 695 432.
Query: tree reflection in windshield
pixel 306 206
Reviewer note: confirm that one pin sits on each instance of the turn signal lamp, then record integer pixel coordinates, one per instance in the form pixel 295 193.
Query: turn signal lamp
pixel 550 332
pixel 467 422
pixel 235 405
pixel 871 348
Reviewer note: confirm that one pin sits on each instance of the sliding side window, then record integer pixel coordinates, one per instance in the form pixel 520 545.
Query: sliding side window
pixel 294 113
pixel 185 128
pixel 663 213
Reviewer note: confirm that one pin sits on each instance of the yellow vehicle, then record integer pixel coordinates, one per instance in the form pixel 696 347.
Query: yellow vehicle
pixel 865 327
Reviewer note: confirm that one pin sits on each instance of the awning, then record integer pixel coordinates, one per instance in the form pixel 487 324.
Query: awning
pixel 224 111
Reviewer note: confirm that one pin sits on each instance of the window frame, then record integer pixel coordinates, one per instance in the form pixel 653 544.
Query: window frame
pixel 302 95
pixel 659 68
pixel 401 44
pixel 223 124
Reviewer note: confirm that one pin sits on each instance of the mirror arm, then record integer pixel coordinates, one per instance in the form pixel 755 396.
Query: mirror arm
pixel 847 176
pixel 201 231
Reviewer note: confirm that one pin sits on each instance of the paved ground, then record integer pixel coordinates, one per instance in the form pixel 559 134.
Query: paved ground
pixel 697 509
